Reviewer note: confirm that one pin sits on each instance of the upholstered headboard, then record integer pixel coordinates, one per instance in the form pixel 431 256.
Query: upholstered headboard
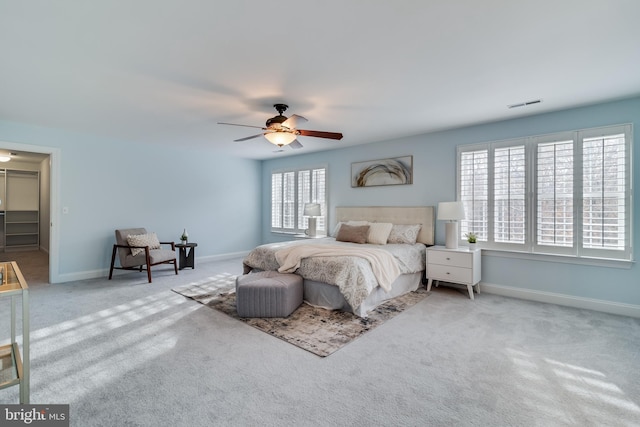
pixel 396 215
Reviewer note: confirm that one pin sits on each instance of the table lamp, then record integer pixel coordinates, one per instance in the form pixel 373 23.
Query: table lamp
pixel 312 210
pixel 451 212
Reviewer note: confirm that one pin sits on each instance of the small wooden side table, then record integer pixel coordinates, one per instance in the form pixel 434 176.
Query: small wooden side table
pixel 187 258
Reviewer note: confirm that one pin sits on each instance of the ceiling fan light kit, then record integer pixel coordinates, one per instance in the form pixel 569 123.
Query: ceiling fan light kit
pixel 281 131
pixel 280 138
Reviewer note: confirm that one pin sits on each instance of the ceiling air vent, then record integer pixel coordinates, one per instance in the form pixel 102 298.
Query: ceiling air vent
pixel 524 104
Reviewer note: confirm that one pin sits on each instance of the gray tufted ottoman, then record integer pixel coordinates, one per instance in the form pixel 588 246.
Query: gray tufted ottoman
pixel 268 294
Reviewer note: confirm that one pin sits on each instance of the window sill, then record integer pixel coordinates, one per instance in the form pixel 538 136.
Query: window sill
pixel 564 259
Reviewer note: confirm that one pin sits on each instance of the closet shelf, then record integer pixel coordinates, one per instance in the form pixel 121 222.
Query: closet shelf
pixel 21 208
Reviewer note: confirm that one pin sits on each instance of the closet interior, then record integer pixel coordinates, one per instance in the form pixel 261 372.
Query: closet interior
pixel 19 209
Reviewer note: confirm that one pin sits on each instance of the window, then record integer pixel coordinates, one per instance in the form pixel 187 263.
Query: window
pixel 290 191
pixel 565 194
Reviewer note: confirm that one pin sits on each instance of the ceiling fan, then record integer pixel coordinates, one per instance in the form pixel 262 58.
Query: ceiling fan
pixel 281 131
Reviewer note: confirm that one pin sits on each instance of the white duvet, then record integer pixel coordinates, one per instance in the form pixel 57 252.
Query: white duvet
pixel 383 264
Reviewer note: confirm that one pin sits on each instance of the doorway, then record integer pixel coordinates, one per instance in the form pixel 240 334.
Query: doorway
pixel 38 263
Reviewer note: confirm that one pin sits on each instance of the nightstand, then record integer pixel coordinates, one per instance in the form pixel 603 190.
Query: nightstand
pixel 461 266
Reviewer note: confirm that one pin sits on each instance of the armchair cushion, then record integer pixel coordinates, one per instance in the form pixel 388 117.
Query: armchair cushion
pixel 156 256
pixel 149 239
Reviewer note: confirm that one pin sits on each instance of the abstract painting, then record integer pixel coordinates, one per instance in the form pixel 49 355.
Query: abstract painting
pixel 392 171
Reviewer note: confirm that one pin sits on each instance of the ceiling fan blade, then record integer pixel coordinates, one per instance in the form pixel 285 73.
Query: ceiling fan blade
pixel 295 144
pixel 248 137
pixel 246 126
pixel 319 134
pixel 293 121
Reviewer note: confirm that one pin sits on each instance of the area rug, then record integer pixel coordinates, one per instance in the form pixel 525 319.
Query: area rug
pixel 317 330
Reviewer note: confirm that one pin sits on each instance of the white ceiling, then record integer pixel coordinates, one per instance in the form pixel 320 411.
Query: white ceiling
pixel 166 71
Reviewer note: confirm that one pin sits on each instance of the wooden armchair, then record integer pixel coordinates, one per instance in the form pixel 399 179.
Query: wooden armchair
pixel 140 257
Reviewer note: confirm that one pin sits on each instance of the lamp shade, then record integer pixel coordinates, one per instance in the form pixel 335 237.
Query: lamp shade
pixel 312 209
pixel 280 138
pixel 450 211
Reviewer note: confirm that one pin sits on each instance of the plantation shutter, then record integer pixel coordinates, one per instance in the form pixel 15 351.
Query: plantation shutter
pixel 289 203
pixel 474 192
pixel 304 196
pixel 509 188
pixel 603 192
pixel 554 194
pixel 319 195
pixel 606 192
pixel 276 200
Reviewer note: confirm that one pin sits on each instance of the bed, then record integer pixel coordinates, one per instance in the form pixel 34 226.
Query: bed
pixel 347 281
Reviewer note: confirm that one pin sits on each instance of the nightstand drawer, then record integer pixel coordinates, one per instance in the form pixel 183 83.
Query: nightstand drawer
pixel 449 258
pixel 449 273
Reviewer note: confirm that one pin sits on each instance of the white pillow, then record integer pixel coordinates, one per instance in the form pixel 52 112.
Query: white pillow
pixel 149 239
pixel 379 232
pixel 404 233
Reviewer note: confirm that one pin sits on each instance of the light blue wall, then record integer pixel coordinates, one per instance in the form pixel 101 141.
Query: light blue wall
pixel 434 158
pixel 109 184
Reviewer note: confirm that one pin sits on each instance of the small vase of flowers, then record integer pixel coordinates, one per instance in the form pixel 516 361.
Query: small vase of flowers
pixel 185 237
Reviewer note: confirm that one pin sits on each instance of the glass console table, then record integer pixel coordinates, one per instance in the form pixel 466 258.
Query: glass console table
pixel 14 370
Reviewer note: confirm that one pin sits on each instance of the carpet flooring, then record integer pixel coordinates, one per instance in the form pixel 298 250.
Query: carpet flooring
pixel 125 352
pixel 319 331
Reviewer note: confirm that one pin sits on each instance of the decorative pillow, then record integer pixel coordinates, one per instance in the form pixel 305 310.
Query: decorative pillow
pixel 404 233
pixel 149 239
pixel 379 232
pixel 353 233
pixel 337 228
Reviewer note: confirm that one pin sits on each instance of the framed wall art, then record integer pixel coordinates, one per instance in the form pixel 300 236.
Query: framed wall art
pixel 392 171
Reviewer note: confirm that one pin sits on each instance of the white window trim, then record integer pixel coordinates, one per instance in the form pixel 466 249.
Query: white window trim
pixel 577 254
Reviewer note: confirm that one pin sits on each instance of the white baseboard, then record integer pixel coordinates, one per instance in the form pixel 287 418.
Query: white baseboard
pixel 619 308
pixel 222 257
pixel 96 274
pixel 81 275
